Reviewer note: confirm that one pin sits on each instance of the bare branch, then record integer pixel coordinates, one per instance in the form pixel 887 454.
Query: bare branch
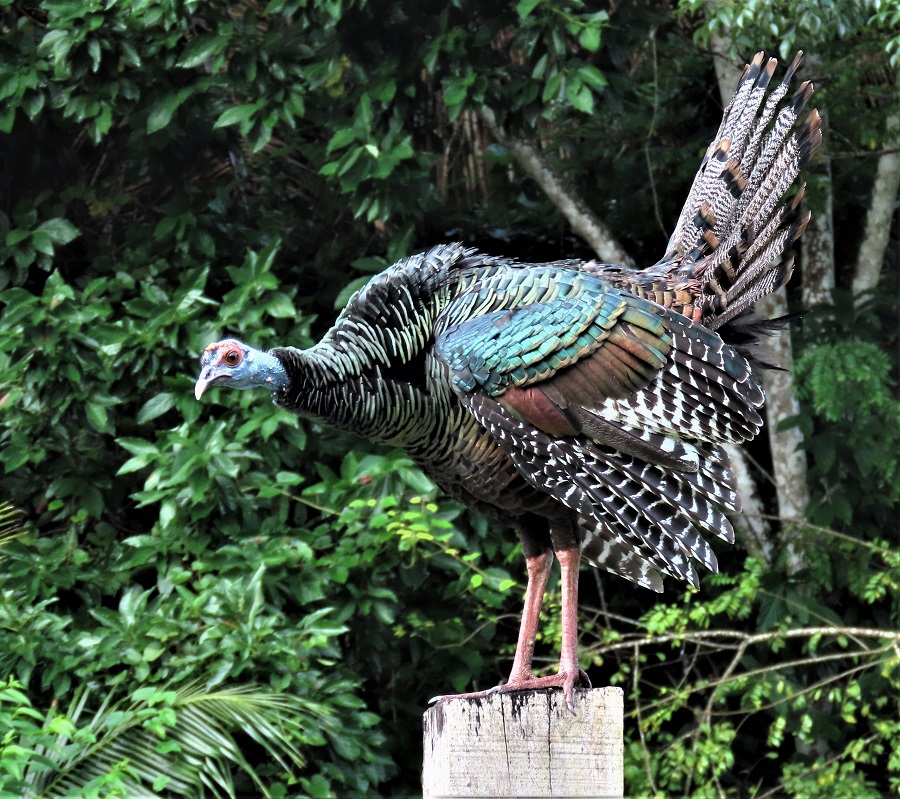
pixel 570 204
pixel 651 132
pixel 741 638
pixel 640 725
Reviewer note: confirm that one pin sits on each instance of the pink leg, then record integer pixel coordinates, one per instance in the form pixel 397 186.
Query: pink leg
pixel 522 678
pixel 569 670
pixel 538 571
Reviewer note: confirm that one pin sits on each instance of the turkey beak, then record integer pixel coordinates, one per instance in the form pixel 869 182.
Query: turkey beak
pixel 206 379
pixel 200 387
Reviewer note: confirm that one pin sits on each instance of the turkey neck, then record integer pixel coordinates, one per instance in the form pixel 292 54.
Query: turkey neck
pixel 372 373
pixel 343 390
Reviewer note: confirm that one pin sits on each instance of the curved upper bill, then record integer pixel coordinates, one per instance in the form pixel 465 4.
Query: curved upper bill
pixel 200 386
pixel 207 378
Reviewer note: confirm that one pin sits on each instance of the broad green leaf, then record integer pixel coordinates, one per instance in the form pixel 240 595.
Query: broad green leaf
pixel 60 230
pixel 591 75
pixel 42 242
pixel 167 512
pixel 581 97
pixel 134 464
pixel 138 446
pixel 236 115
pixel 17 235
pixel 98 417
pixel 525 7
pixel 589 38
pixel 201 48
pixel 280 306
pixel 162 110
pixel 341 139
pixel 155 406
pixel 456 90
pixel 349 290
pixel 370 264
pixel 7 118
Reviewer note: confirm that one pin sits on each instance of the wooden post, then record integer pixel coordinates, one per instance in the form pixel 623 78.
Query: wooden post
pixel 525 744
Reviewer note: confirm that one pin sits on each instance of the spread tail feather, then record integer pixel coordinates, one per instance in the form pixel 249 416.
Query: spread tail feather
pixel 726 252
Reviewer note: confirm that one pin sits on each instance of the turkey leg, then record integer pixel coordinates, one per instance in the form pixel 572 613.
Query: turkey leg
pixel 522 678
pixel 538 568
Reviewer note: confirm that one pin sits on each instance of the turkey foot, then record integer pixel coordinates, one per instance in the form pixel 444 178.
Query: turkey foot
pixel 522 678
pixel 565 679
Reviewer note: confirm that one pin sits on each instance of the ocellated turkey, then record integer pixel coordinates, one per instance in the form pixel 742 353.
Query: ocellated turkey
pixel 584 404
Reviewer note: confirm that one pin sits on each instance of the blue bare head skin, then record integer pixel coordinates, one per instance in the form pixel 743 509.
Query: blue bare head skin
pixel 237 365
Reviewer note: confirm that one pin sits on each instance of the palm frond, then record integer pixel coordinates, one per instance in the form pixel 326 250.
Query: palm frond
pixel 10 523
pixel 178 741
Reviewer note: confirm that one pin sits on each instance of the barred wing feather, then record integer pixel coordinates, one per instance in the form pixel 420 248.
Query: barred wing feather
pixel 611 404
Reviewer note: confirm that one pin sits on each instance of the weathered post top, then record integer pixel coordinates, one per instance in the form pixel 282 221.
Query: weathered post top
pixel 525 744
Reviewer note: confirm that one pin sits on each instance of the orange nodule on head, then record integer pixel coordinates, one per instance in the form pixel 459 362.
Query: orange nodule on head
pixel 224 348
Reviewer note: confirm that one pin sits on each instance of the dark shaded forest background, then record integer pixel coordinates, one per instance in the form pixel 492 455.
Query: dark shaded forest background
pixel 219 599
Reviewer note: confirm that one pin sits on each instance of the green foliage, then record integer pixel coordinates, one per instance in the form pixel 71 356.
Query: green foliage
pixel 852 417
pixel 804 680
pixel 552 42
pixel 159 739
pixel 861 39
pixel 803 25
pixel 219 604
pixel 848 385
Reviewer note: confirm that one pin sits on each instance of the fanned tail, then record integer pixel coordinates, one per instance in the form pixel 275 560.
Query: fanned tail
pixel 734 226
pixel 726 251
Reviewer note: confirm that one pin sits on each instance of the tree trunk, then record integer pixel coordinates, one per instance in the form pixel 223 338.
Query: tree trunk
pixel 751 525
pixel 817 244
pixel 788 457
pixel 881 211
pixel 577 213
pixel 727 72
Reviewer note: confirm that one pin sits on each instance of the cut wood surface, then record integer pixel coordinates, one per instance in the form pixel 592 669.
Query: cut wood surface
pixel 525 744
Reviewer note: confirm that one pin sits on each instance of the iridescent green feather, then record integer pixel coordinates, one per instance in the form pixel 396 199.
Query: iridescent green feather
pixel 520 343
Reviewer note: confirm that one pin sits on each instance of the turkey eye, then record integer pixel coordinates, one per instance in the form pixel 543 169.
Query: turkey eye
pixel 232 358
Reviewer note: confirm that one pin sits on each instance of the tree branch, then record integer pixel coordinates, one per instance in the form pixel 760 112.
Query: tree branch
pixel 581 218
